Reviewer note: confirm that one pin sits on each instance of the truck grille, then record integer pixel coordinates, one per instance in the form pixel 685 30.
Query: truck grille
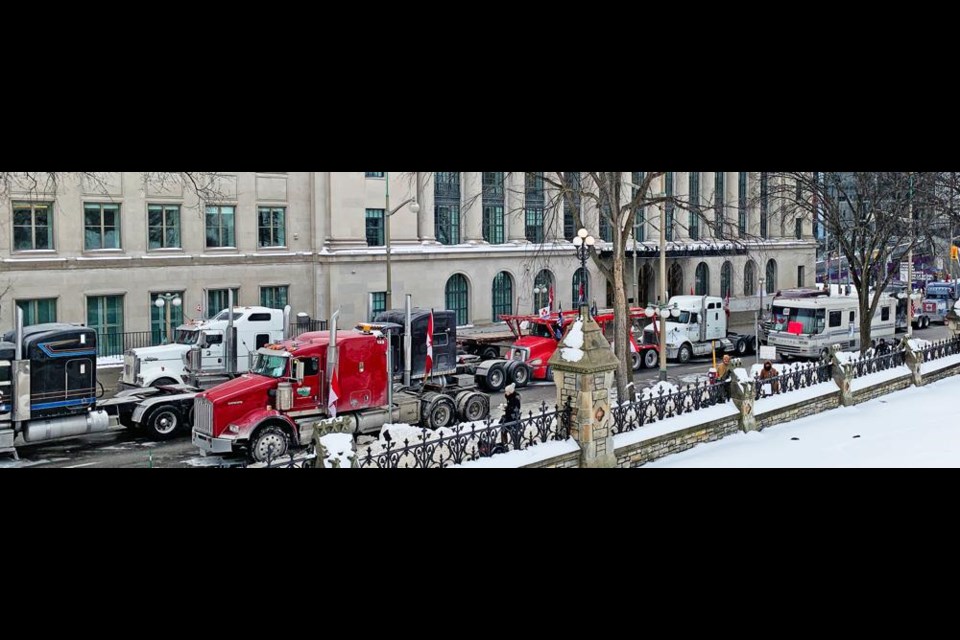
pixel 130 368
pixel 203 416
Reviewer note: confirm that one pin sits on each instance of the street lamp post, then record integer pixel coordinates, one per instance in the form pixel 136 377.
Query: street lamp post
pixel 537 292
pixel 388 213
pixel 581 244
pixel 759 316
pixel 661 311
pixel 167 300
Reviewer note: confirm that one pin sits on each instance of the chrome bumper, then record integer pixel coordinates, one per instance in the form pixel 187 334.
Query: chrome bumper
pixel 209 444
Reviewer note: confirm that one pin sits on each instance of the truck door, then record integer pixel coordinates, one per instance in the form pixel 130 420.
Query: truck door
pixel 212 351
pixel 306 394
pixel 79 380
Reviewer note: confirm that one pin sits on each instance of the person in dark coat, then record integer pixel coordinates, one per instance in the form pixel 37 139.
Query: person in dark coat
pixel 511 414
pixel 770 372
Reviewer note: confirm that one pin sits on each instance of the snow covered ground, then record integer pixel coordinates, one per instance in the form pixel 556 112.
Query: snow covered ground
pixel 909 428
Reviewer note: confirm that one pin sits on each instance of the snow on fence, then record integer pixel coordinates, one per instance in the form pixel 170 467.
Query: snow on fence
pixel 659 403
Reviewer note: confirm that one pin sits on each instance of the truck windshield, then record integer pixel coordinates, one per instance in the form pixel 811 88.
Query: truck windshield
pixel 540 330
pixel 783 316
pixel 225 315
pixel 185 336
pixel 271 366
pixel 684 318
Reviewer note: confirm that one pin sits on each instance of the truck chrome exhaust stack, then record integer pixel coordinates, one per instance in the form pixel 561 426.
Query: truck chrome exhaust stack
pixel 286 322
pixel 230 348
pixel 332 356
pixel 407 343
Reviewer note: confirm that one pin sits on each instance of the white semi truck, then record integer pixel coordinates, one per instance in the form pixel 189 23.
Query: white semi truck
pixel 698 325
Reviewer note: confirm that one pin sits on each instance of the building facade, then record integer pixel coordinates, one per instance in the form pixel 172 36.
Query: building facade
pixel 101 251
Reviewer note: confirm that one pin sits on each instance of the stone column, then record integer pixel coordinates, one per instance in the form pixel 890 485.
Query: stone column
pixel 514 201
pixel 583 367
pixel 472 208
pixel 912 359
pixel 743 393
pixel 842 375
pixel 426 216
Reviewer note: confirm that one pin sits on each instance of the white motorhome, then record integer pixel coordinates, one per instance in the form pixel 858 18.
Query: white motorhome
pixel 167 364
pixel 806 327
pixel 697 325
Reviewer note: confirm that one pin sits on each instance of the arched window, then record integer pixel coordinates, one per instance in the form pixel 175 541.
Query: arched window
pixel 457 298
pixel 726 279
pixel 750 279
pixel 771 279
pixel 645 285
pixel 542 285
pixel 502 295
pixel 580 293
pixel 703 279
pixel 675 280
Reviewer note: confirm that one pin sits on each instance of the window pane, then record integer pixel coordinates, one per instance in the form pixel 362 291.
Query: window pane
pixel 155 235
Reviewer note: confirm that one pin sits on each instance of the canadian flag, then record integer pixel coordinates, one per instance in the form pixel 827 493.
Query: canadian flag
pixel 691 289
pixel 581 293
pixel 550 299
pixel 334 394
pixel 429 364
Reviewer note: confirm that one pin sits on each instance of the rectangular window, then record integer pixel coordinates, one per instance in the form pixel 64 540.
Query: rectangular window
pixel 32 226
pixel 221 221
pixel 271 226
pixel 105 316
pixel 446 202
pixel 571 203
pixel 763 204
pixel 800 274
pixel 378 303
pixel 742 204
pixel 533 206
pixel 217 300
pixel 799 228
pixel 101 226
pixel 693 184
pixel 639 221
pixel 719 202
pixel 493 192
pixel 163 226
pixel 375 227
pixel 38 311
pixel 884 313
pixel 668 190
pixel 373 174
pixel 273 297
pixel 835 318
pixel 158 316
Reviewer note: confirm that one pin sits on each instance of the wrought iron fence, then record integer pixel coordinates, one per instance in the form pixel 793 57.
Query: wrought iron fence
pixel 628 416
pixel 299 327
pixel 114 344
pixel 941 349
pixel 467 442
pixel 798 376
pixel 873 361
pixel 302 459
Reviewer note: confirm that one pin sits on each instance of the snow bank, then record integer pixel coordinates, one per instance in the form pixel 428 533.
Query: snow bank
pixel 799 396
pixel 871 379
pixel 741 374
pixel 572 352
pixel 530 455
pixel 340 447
pixel 847 356
pixel 918 343
pixel 654 391
pixel 940 363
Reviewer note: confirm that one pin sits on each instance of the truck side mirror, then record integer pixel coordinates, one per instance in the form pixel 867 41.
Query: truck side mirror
pixel 298 370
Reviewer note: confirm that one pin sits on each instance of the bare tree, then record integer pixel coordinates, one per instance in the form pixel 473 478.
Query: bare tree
pixel 872 217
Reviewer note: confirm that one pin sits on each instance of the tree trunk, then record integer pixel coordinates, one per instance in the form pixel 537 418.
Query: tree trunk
pixel 622 347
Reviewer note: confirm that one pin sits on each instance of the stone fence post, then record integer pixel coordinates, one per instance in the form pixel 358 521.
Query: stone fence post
pixel 583 367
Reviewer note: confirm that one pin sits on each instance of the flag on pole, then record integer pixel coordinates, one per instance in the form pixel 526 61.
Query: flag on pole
pixel 691 289
pixel 429 364
pixel 334 394
pixel 726 303
pixel 550 299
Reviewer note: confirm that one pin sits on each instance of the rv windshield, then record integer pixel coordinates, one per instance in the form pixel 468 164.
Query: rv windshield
pixel 271 366
pixel 939 293
pixel 783 316
pixel 187 336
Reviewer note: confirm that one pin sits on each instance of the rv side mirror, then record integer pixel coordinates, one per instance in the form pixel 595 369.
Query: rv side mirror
pixel 298 370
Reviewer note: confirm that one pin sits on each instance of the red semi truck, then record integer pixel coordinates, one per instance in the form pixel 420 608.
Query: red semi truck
pixel 275 405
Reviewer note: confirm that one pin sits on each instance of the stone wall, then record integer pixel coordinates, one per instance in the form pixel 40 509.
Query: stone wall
pixel 941 374
pixel 882 389
pixel 645 451
pixel 566 461
pixel 800 410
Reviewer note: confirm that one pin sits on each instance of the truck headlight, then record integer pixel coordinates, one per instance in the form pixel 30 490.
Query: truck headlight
pixel 535 363
pixel 233 428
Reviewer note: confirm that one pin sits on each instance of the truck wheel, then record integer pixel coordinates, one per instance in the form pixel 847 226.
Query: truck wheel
pixel 684 354
pixel 636 362
pixel 549 374
pixel 159 382
pixel 650 358
pixel 440 410
pixel 520 373
pixel 163 422
pixel 496 377
pixel 490 353
pixel 461 401
pixel 269 442
pixel 476 407
pixel 741 346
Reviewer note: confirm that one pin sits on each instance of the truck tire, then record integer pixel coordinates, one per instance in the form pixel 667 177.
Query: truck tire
pixel 650 358
pixel 742 346
pixel 490 353
pixel 269 441
pixel 476 407
pixel 636 362
pixel 518 373
pixel 684 354
pixel 496 378
pixel 159 382
pixel 461 401
pixel 438 410
pixel 163 422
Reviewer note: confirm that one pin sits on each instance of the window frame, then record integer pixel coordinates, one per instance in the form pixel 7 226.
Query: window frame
pixel 32 205
pixel 163 228
pixel 118 227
